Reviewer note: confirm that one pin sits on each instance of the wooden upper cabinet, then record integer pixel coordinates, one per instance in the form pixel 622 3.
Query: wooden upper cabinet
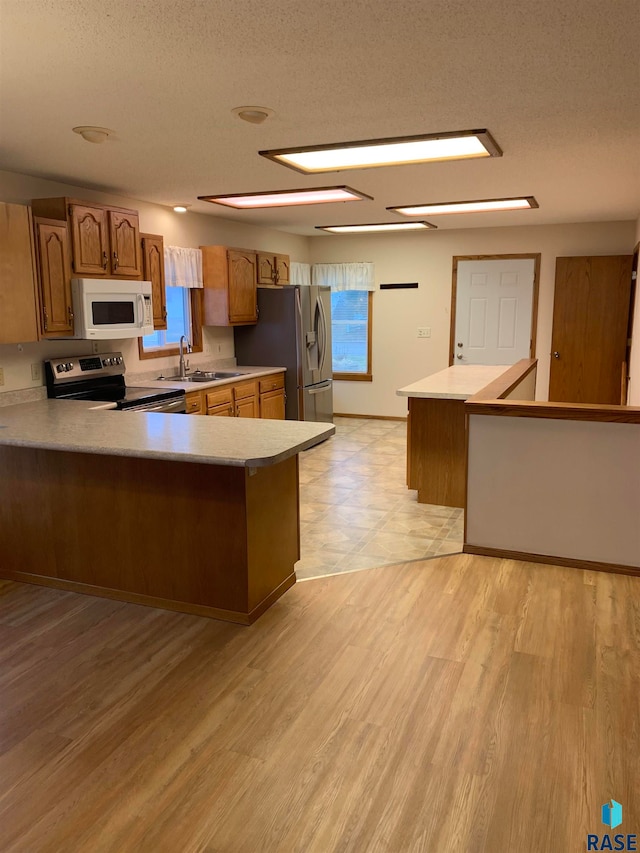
pixel 273 268
pixel 124 234
pixel 90 240
pixel 153 271
pixel 105 241
pixel 242 287
pixel 282 266
pixel 18 307
pixel 229 295
pixel 52 246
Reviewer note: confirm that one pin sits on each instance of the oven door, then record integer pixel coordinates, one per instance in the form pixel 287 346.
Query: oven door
pixel 176 406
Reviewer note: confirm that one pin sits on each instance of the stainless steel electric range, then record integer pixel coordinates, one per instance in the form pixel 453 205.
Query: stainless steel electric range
pixel 100 377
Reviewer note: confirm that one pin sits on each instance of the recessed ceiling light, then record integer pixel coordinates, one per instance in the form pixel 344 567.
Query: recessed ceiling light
pixel 93 134
pixel 181 208
pixel 368 153
pixel 377 226
pixel 480 206
pixel 254 115
pixel 284 198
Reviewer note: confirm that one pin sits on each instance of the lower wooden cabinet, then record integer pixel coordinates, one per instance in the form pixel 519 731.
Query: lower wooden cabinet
pixel 272 397
pixel 246 399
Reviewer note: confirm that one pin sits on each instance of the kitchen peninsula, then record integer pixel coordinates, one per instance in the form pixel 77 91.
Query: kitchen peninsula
pixel 192 514
pixel 436 432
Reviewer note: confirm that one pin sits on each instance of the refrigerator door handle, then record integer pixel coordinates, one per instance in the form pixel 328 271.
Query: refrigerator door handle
pixel 319 388
pixel 323 323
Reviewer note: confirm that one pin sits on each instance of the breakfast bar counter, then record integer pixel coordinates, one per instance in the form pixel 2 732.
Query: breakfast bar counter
pixel 436 432
pixel 192 514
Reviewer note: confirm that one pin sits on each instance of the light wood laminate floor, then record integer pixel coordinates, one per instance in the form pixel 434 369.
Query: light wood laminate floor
pixel 355 509
pixel 457 704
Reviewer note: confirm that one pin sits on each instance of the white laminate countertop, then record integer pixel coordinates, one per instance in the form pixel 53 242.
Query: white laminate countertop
pixel 247 373
pixel 455 383
pixel 80 427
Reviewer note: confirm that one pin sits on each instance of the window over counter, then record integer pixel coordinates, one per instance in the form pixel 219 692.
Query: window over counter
pixel 351 323
pixel 183 305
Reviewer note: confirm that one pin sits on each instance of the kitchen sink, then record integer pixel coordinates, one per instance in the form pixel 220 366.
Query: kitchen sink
pixel 203 376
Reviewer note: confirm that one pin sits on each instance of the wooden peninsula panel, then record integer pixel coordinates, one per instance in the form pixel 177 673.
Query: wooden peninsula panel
pixel 436 462
pixel 198 538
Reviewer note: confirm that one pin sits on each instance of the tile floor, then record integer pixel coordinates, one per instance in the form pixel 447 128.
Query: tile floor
pixel 355 509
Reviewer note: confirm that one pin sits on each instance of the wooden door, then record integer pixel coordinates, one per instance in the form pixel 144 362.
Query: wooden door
pixel 494 307
pixel 266 268
pixel 153 271
pixel 242 287
pixel 282 264
pixel 52 241
pixel 272 405
pixel 589 337
pixel 18 315
pixel 90 240
pixel 124 234
pixel 247 408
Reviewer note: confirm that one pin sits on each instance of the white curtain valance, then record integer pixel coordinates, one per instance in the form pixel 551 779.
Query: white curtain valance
pixel 182 267
pixel 354 276
pixel 300 274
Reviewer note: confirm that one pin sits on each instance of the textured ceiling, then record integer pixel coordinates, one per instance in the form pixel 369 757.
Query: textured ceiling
pixel 557 83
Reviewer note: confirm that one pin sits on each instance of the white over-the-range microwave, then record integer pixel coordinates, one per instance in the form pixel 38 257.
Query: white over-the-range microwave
pixel 108 309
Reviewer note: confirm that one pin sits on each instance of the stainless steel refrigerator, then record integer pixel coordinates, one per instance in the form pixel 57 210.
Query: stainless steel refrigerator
pixel 293 331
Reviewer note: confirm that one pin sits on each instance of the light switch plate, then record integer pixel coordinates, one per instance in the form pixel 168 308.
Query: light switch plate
pixel 1 376
pixel 36 371
pixel 424 331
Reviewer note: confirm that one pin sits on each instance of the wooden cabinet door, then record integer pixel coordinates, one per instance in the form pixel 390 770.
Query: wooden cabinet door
pixel 18 315
pixel 272 405
pixel 242 287
pixel 589 336
pixel 266 268
pixel 247 408
pixel 124 234
pixel 90 240
pixel 223 411
pixel 282 264
pixel 52 240
pixel 153 271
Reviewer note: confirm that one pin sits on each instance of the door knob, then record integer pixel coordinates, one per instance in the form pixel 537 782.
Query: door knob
pixel 459 355
pixel 556 355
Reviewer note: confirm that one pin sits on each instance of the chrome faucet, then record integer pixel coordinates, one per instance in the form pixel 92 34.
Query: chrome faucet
pixel 182 370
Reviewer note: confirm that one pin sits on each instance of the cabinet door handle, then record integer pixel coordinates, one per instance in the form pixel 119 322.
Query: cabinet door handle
pixel 46 317
pixel 115 261
pixel 70 313
pixel 231 411
pixel 105 260
pixel 164 313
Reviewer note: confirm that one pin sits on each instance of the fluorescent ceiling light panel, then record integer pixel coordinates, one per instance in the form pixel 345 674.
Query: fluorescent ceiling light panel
pixel 369 153
pixel 377 227
pixel 486 205
pixel 285 198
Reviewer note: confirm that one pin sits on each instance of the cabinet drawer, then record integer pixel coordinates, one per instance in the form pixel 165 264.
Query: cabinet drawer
pixel 245 389
pixel 219 397
pixel 271 383
pixel 194 404
pixel 224 410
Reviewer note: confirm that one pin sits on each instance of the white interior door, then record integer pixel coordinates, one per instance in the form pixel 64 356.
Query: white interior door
pixel 494 303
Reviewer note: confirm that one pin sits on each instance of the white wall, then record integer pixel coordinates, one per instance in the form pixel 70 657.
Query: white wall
pixel 399 357
pixel 633 398
pixel 553 487
pixel 190 229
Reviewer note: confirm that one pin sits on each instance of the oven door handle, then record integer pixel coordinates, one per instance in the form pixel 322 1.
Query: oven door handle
pixel 170 406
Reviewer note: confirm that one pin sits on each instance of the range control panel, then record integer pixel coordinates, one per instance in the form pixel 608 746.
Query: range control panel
pixel 85 366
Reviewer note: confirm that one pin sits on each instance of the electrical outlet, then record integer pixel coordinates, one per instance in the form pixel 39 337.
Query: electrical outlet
pixel 424 331
pixel 1 376
pixel 36 371
pixel 95 346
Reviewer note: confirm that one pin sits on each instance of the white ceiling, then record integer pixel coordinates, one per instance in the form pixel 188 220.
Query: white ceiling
pixel 557 83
